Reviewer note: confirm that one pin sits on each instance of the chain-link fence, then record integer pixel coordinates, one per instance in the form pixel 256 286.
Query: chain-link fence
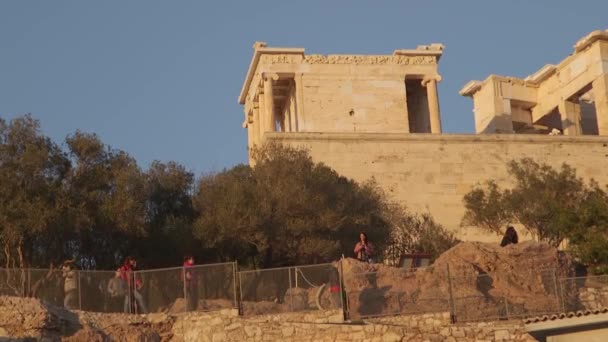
pixel 290 289
pixel 467 293
pixel 102 291
pixel 13 282
pixel 584 293
pixel 502 296
pixel 211 287
pixel 395 291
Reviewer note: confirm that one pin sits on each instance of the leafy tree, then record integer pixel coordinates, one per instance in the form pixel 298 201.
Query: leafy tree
pixel 552 205
pixel 170 214
pixel 417 233
pixel 107 202
pixel 287 210
pixel 487 207
pixel 32 170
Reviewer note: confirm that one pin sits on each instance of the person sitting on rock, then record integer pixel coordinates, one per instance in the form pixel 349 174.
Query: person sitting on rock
pixel 510 237
pixel 364 249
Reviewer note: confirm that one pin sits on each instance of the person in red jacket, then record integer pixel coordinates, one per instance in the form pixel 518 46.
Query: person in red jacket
pixel 134 284
pixel 190 283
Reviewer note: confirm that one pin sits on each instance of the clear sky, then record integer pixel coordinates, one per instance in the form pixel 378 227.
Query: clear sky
pixel 160 79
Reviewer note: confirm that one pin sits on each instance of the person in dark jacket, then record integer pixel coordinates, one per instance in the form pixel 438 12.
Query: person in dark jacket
pixel 510 237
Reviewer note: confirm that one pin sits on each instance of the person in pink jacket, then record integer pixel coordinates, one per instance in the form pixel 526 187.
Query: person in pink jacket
pixel 364 249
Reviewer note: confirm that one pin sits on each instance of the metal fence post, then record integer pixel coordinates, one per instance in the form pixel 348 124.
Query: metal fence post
pixel 451 296
pixel 241 304
pixel 506 307
pixel 28 288
pixel 296 275
pixel 561 291
pixel 343 294
pixel 79 291
pixel 184 288
pixel 290 292
pixel 235 266
pixel 558 295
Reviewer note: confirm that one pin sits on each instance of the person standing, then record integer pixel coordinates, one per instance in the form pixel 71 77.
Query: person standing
pixel 364 250
pixel 190 283
pixel 117 291
pixel 70 285
pixel 134 285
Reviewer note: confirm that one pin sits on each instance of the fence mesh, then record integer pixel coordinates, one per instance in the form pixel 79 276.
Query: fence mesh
pixel 211 287
pixel 485 297
pixel 467 294
pixel 584 293
pixel 102 291
pixel 54 286
pixel 290 289
pixel 13 282
pixel 157 291
pixel 376 294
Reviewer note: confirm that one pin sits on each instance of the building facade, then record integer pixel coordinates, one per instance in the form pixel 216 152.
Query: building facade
pixel 378 116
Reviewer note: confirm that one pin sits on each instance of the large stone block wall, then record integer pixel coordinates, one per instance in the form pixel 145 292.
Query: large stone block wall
pixel 328 326
pixel 354 103
pixel 432 173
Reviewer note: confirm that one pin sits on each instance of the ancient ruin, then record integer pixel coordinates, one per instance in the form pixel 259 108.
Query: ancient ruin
pixel 286 90
pixel 570 97
pixel 370 116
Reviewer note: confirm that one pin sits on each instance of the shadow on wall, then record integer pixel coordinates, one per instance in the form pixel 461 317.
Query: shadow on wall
pixel 372 300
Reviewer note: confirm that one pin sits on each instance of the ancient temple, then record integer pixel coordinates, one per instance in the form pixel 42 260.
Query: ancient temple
pixel 377 116
pixel 286 90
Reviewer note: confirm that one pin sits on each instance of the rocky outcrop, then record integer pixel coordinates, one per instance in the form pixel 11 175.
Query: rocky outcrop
pixel 482 280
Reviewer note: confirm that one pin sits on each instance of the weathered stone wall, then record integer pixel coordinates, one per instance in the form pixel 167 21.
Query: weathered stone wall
pixel 24 319
pixel 432 172
pixel 227 326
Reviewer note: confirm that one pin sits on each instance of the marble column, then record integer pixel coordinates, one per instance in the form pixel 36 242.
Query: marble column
pixel 261 115
pixel 600 93
pixel 570 113
pixel 431 94
pixel 256 125
pixel 269 101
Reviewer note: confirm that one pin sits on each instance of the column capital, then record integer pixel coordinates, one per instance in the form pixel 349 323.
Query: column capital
pixel 267 76
pixel 427 79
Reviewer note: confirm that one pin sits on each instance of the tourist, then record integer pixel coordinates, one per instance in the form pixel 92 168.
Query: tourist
pixel 134 284
pixel 117 288
pixel 70 285
pixel 510 237
pixel 190 284
pixel 364 249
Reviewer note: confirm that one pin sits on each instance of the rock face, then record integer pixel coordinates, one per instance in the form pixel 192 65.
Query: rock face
pixel 485 281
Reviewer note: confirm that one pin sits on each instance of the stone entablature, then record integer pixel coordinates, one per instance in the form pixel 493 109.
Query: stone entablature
pixel 569 98
pixel 286 90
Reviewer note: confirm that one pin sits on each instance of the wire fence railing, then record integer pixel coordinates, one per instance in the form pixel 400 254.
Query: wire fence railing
pixel 290 289
pixel 467 293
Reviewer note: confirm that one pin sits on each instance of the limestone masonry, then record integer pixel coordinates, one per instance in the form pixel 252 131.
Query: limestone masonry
pixel 378 116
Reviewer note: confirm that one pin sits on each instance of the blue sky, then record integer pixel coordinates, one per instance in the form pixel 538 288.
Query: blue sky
pixel 160 79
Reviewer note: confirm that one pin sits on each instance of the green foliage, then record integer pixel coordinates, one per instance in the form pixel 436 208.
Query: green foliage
pixel 417 233
pixel 94 204
pixel 287 210
pixel 553 205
